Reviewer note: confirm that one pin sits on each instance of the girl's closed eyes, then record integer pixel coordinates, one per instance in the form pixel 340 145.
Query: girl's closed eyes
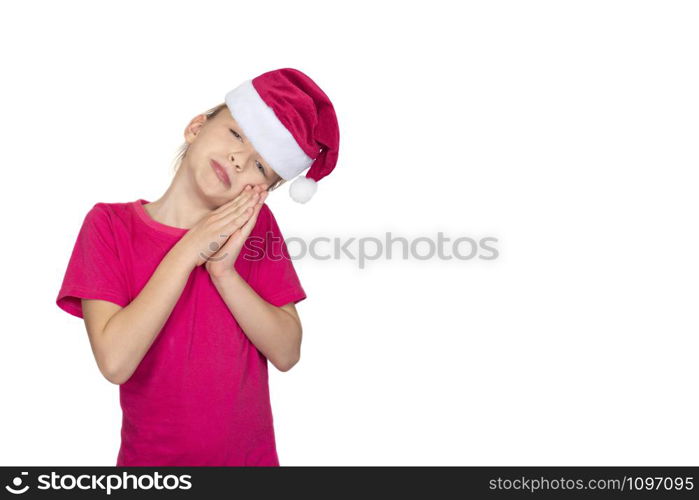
pixel 259 165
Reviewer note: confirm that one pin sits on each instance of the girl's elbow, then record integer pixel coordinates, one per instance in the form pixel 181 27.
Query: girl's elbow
pixel 111 376
pixel 287 363
pixel 116 374
pixel 287 357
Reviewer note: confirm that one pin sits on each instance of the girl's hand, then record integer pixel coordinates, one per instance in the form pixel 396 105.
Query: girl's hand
pixel 221 262
pixel 214 229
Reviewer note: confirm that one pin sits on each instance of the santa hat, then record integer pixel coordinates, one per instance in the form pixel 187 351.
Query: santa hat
pixel 291 122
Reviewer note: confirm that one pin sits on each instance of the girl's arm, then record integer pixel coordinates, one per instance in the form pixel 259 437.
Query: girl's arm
pixel 126 337
pixel 121 339
pixel 275 331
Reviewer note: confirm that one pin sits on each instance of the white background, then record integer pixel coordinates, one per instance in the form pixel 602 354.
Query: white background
pixel 567 130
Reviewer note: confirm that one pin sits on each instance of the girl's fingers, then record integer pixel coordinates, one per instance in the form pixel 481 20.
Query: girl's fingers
pixel 232 202
pixel 249 197
pixel 240 212
pixel 246 229
pixel 243 217
pixel 246 219
pixel 226 208
pixel 247 193
pixel 253 217
pixel 239 209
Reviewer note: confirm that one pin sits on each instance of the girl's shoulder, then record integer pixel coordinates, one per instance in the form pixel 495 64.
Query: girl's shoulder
pixel 106 207
pixel 110 215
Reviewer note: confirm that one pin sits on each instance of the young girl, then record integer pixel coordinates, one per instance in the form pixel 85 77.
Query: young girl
pixel 186 298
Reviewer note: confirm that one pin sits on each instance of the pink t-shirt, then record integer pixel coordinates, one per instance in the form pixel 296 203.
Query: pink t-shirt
pixel 200 396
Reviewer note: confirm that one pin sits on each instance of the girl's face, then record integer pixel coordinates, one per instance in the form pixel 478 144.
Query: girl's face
pixel 220 142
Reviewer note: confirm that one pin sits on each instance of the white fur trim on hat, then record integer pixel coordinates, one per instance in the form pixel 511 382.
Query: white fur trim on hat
pixel 267 133
pixel 303 189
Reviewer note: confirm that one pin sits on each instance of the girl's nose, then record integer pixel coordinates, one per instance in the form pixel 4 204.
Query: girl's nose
pixel 236 164
pixel 237 161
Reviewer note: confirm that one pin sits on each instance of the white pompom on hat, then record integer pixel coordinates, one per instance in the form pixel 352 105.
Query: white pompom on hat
pixel 291 123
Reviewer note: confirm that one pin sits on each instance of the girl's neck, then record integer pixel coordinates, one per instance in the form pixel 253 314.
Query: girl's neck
pixel 178 206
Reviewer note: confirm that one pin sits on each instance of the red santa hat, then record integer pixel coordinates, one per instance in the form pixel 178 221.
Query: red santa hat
pixel 291 123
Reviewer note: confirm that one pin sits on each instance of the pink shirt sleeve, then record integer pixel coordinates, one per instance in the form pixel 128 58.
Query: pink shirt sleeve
pixel 272 274
pixel 94 270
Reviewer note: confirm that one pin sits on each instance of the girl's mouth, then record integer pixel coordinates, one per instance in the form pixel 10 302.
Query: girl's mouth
pixel 220 173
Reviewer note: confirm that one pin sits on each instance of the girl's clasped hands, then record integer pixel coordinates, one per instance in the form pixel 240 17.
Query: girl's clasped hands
pixel 217 238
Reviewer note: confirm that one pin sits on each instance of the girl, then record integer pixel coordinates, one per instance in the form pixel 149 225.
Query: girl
pixel 186 298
